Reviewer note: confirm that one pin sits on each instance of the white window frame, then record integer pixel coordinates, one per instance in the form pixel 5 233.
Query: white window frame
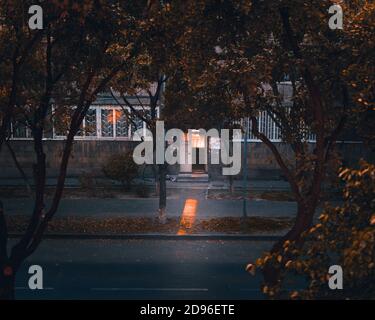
pixel 28 134
pixel 98 135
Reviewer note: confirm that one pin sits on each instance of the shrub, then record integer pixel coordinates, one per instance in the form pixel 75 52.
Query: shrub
pixel 122 168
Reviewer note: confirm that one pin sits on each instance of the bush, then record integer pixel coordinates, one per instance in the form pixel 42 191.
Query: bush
pixel 122 168
pixel 344 236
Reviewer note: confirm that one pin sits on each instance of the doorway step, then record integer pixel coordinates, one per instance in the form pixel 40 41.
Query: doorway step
pixel 192 177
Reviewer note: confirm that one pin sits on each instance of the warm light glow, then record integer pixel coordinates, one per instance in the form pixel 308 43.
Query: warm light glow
pixel 197 140
pixel 114 116
pixel 118 114
pixel 188 216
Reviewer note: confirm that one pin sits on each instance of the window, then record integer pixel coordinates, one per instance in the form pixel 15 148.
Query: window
pixel 19 130
pixel 107 122
pixel 104 122
pixel 90 123
pixel 62 122
pixel 122 125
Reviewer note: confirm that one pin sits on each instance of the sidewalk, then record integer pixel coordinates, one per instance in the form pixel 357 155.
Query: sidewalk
pixel 252 185
pixel 147 207
pixel 258 185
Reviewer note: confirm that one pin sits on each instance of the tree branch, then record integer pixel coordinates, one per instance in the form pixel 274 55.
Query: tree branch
pixel 134 110
pixel 278 157
pixel 3 234
pixel 76 123
pixel 317 103
pixel 19 167
pixel 126 112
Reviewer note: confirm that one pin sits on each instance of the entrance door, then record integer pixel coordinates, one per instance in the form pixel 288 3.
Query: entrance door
pixel 198 167
pixel 195 143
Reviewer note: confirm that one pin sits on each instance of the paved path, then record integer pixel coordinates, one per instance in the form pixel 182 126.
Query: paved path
pixel 148 207
pixel 215 184
pixel 94 269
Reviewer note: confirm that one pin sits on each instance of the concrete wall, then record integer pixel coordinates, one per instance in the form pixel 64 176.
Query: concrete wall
pixel 260 161
pixel 89 156
pixel 263 166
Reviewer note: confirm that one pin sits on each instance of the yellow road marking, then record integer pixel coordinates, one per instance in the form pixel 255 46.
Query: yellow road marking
pixel 188 216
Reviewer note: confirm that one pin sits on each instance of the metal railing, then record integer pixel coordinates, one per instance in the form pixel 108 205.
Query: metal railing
pixel 272 131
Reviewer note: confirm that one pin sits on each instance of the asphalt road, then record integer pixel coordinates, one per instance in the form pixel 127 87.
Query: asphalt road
pixel 144 269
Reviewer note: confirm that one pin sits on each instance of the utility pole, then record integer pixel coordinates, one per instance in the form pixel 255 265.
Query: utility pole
pixel 244 209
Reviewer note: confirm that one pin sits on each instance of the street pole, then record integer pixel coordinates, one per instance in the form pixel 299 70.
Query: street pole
pixel 244 210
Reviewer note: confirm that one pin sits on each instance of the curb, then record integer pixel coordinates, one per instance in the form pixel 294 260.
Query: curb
pixel 155 236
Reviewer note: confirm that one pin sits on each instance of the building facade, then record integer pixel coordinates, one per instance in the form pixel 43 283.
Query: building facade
pixel 107 131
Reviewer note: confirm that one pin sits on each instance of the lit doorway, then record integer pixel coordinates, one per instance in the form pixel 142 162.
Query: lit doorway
pixel 197 146
pixel 199 167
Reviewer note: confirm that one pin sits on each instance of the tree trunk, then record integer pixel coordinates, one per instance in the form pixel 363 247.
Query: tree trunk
pixel 7 286
pixel 155 173
pixel 19 168
pixel 304 220
pixel 162 193
pixel 231 186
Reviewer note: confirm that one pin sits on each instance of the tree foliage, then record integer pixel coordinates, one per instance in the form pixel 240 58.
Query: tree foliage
pixel 253 47
pixel 344 235
pixel 74 58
